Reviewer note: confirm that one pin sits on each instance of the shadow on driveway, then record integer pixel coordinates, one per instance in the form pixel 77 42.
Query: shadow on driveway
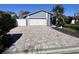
pixel 12 38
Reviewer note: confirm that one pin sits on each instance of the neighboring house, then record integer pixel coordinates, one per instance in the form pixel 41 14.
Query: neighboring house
pixel 40 17
pixel 73 19
pixel 76 19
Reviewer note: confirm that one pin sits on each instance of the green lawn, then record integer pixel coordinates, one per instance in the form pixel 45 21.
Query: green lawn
pixel 71 27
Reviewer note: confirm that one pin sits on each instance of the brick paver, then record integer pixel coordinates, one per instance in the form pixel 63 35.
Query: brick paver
pixel 37 38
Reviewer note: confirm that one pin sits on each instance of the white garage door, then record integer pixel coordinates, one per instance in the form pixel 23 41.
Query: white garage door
pixel 37 22
pixel 21 22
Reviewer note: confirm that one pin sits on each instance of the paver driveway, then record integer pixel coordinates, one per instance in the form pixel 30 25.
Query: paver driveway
pixel 36 38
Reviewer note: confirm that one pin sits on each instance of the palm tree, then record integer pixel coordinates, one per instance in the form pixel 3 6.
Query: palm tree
pixel 58 12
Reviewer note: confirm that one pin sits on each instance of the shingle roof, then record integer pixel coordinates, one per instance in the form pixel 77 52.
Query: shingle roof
pixel 37 12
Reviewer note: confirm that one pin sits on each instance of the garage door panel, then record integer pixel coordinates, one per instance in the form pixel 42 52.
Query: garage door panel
pixel 37 22
pixel 21 22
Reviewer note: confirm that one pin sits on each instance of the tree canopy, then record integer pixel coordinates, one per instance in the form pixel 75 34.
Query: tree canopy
pixel 59 11
pixel 6 22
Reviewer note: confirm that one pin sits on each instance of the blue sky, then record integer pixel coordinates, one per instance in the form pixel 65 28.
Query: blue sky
pixel 70 9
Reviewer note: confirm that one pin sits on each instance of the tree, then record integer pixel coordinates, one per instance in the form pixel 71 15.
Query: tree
pixel 6 22
pixel 23 14
pixel 58 11
pixel 69 19
pixel 13 14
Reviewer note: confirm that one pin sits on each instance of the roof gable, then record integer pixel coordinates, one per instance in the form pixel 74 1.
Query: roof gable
pixel 38 12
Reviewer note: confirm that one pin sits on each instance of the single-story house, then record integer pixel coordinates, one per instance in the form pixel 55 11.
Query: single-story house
pixel 40 17
pixel 73 19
